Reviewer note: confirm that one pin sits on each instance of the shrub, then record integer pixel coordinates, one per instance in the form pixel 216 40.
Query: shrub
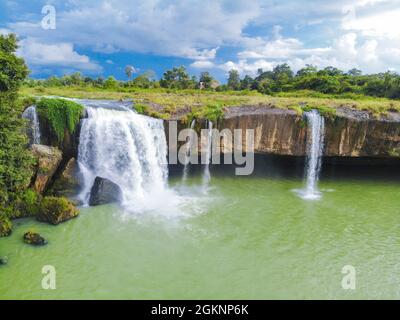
pixel 5 225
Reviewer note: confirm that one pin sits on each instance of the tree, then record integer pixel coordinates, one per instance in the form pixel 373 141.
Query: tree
pixel 177 78
pixel 129 71
pixel 246 83
pixel 354 72
pixel 234 80
pixel 15 159
pixel 309 69
pixel 206 79
pixel 110 83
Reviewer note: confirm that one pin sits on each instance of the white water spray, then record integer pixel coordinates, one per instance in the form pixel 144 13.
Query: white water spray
pixel 126 148
pixel 315 148
pixel 206 173
pixel 34 127
pixel 188 153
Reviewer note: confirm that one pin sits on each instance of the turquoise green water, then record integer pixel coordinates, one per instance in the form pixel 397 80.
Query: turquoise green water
pixel 249 238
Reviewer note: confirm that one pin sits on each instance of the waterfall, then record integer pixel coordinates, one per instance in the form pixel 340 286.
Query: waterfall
pixel 126 148
pixel 34 129
pixel 208 154
pixel 315 146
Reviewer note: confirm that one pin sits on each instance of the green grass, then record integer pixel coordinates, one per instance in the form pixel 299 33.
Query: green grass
pixel 164 103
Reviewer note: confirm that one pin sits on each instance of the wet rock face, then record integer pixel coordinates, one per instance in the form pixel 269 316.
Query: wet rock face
pixel 276 131
pixel 56 210
pixel 48 161
pixel 67 184
pixel 350 133
pixel 104 191
pixel 356 134
pixel 70 143
pixel 34 239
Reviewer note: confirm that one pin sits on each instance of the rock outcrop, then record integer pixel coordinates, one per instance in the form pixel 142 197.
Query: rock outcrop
pixel 34 239
pixel 67 183
pixel 349 133
pixel 55 210
pixel 3 260
pixel 104 191
pixel 48 161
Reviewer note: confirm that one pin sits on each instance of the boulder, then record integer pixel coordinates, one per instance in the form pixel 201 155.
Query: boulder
pixel 55 210
pixel 48 161
pixel 5 226
pixel 104 191
pixel 67 184
pixel 3 260
pixel 34 239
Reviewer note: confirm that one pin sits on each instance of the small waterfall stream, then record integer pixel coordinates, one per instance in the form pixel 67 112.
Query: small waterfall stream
pixel 207 158
pixel 315 146
pixel 34 126
pixel 187 154
pixel 126 148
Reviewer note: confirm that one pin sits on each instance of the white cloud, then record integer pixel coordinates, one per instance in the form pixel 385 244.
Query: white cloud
pixel 343 33
pixel 247 67
pixel 202 64
pixel 55 54
pixel 190 29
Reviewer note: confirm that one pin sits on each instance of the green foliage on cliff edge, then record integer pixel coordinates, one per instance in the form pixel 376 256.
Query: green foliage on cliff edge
pixel 15 158
pixel 62 115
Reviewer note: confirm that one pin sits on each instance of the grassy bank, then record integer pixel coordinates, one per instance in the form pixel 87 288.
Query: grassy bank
pixel 165 103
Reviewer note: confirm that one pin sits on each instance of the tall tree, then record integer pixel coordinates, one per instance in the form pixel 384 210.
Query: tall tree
pixel 207 79
pixel 234 80
pixel 15 159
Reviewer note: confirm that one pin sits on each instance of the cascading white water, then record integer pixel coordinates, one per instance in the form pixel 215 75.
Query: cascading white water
pixel 315 146
pixel 34 126
pixel 126 148
pixel 206 173
pixel 188 153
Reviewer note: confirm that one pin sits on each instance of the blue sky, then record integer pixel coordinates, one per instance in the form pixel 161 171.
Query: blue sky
pixel 101 37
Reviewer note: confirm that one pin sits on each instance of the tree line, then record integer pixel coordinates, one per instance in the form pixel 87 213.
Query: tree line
pixel 329 80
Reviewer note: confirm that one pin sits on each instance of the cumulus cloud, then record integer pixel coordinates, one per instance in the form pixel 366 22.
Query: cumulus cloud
pixel 344 33
pixel 190 29
pixel 202 64
pixel 55 54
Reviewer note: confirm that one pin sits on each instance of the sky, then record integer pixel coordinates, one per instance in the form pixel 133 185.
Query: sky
pixel 101 37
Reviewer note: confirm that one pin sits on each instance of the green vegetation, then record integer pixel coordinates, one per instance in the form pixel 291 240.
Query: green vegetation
pixel 178 93
pixel 164 103
pixel 15 158
pixel 55 210
pixel 5 226
pixel 62 115
pixel 281 79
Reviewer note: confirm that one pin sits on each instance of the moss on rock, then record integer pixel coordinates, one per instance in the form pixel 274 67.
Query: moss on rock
pixel 63 115
pixel 34 239
pixel 55 210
